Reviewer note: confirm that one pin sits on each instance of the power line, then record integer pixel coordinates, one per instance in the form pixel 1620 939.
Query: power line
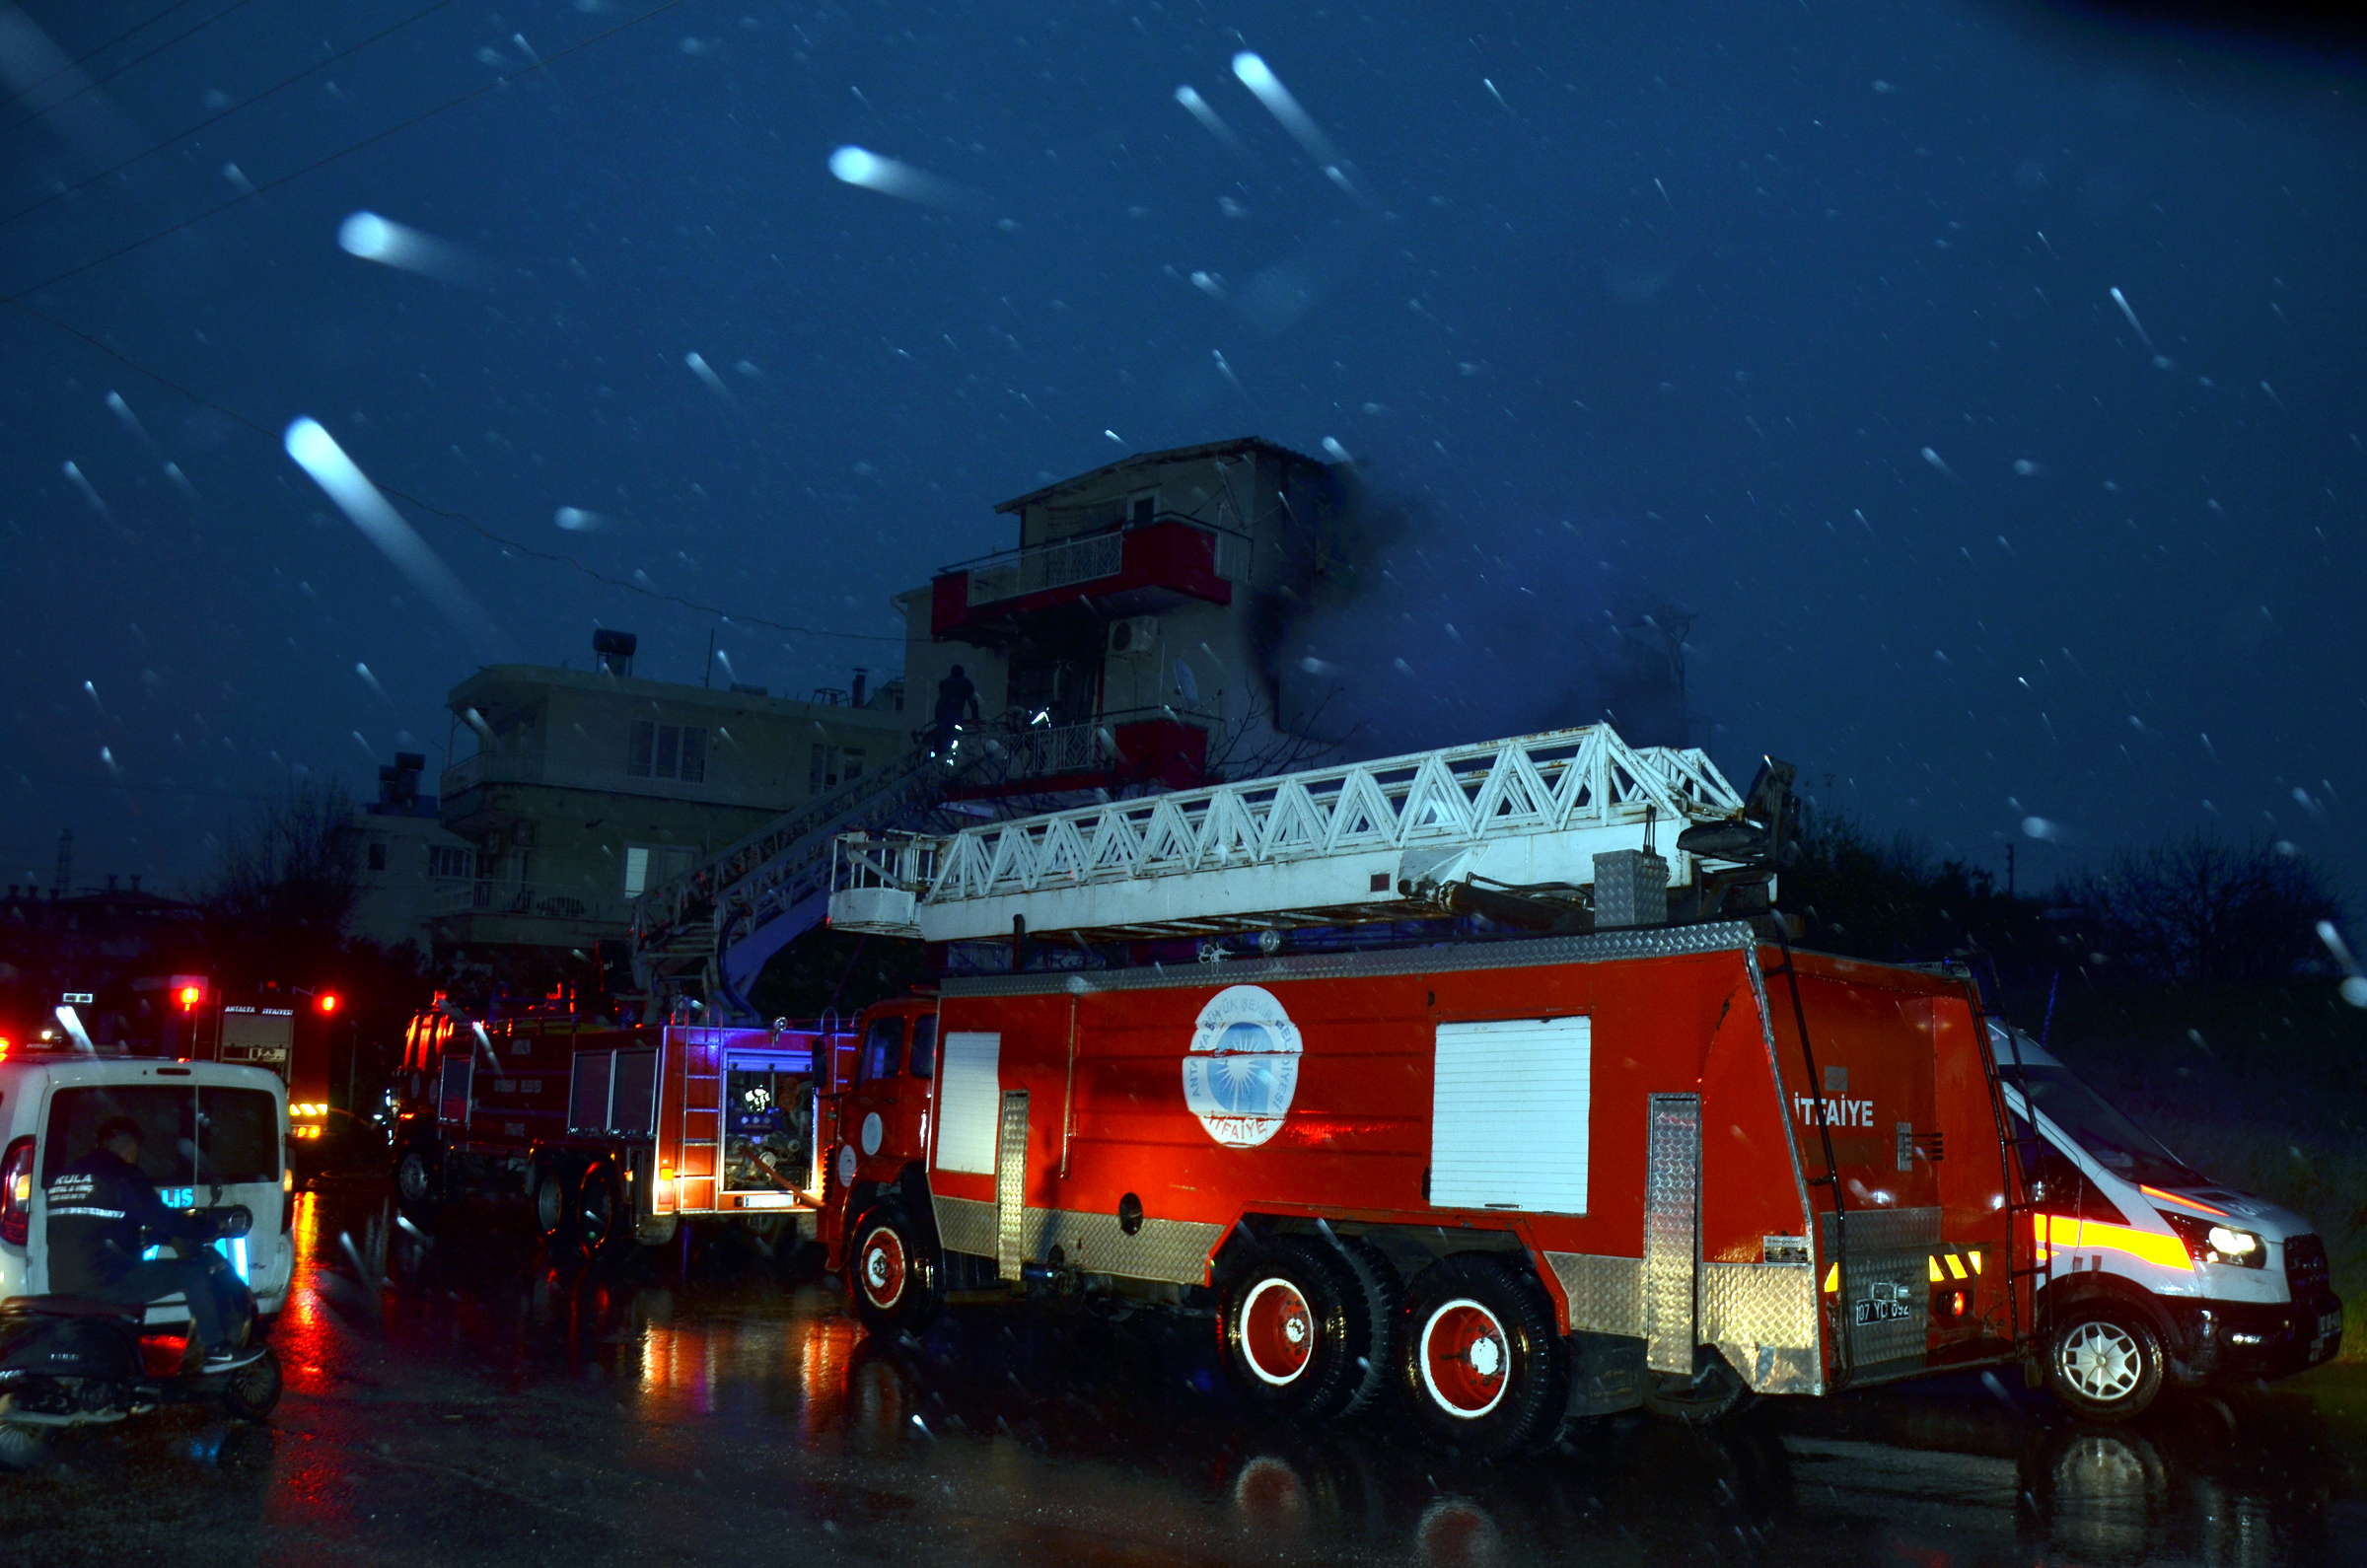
pixel 216 118
pixel 545 62
pixel 462 518
pixel 98 82
pixel 89 55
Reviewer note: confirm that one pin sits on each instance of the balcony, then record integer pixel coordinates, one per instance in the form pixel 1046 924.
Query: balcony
pixel 1144 745
pixel 490 912
pixel 1138 570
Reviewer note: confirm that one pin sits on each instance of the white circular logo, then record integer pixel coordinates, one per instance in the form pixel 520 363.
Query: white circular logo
pixel 846 1165
pixel 1243 1066
pixel 873 1130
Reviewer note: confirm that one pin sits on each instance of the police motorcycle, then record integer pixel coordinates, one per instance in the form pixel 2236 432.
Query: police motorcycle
pixel 70 1361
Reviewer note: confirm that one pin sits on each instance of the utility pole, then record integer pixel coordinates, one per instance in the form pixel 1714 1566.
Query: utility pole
pixel 2009 869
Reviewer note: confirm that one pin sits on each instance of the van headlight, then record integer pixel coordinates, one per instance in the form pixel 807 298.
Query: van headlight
pixel 2215 1241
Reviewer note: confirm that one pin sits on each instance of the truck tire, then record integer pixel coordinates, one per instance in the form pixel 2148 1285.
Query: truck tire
pixel 554 1200
pixel 1383 1305
pixel 1481 1365
pixel 1713 1392
pixel 893 1271
pixel 603 1224
pixel 2103 1361
pixel 1298 1335
pixel 419 1182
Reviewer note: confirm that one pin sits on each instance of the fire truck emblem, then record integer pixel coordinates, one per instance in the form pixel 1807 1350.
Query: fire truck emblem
pixel 1243 1067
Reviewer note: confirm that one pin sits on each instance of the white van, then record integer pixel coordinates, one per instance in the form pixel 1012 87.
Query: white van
pixel 211 1136
pixel 2149 1269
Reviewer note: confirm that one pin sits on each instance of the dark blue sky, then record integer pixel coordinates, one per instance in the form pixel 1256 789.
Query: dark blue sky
pixel 1673 312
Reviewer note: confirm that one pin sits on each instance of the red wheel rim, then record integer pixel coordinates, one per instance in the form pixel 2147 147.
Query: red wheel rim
pixel 1466 1359
pixel 883 1267
pixel 1277 1331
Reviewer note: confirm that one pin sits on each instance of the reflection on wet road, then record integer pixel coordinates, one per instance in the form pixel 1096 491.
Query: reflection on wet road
pixel 503 1410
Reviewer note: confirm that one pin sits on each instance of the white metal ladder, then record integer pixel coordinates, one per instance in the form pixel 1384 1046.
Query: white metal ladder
pixel 1330 846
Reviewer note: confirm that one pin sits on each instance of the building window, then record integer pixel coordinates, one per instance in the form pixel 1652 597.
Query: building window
pixel 377 854
pixel 447 860
pixel 648 866
pixel 667 751
pixel 829 766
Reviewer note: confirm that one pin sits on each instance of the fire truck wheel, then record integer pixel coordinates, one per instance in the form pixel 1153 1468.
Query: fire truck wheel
pixel 2105 1363
pixel 554 1201
pixel 1298 1332
pixel 1713 1392
pixel 1383 1302
pixel 603 1223
pixel 418 1181
pixel 894 1273
pixel 1481 1366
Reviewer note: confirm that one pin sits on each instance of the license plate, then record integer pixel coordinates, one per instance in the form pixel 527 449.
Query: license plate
pixel 1882 1311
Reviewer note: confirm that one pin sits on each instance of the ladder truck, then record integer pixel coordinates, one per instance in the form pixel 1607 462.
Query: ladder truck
pixel 1616 1142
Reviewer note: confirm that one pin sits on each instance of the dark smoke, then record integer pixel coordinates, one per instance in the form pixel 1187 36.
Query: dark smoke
pixel 1401 631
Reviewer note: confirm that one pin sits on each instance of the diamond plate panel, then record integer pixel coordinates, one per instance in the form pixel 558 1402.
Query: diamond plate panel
pixel 966 1225
pixel 1757 1315
pixel 1885 1289
pixel 1173 1250
pixel 1606 1293
pixel 1011 1186
pixel 1672 1209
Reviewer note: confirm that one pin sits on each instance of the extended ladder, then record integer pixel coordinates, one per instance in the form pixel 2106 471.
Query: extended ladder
pixel 721 920
pixel 1332 846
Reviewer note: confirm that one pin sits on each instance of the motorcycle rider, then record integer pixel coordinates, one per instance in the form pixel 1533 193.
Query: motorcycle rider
pixel 100 1206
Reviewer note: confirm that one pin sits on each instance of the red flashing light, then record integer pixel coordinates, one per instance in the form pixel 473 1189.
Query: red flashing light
pixel 328 1002
pixel 190 996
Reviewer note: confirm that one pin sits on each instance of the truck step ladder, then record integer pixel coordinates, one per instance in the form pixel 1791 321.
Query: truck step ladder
pixel 1330 846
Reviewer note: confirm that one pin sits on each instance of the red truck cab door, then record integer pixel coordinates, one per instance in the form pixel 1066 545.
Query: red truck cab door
pixel 885 1117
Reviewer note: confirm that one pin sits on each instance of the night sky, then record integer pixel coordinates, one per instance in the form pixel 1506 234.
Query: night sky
pixel 1797 315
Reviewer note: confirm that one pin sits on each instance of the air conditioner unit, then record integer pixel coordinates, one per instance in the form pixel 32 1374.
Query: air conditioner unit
pixel 1135 637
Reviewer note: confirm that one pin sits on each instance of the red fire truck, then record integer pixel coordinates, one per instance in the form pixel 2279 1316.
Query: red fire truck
pixel 618 1135
pixel 1649 1154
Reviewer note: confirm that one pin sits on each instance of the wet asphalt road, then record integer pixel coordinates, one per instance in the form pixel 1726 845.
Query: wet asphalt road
pixel 503 1410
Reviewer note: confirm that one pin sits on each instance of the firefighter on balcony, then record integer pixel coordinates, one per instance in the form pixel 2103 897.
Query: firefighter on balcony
pixel 100 1206
pixel 954 697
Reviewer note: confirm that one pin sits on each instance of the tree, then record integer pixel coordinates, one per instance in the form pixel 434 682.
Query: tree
pixel 2195 907
pixel 1866 898
pixel 285 883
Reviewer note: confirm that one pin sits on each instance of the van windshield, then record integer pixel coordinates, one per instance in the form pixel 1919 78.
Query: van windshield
pixel 2113 1141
